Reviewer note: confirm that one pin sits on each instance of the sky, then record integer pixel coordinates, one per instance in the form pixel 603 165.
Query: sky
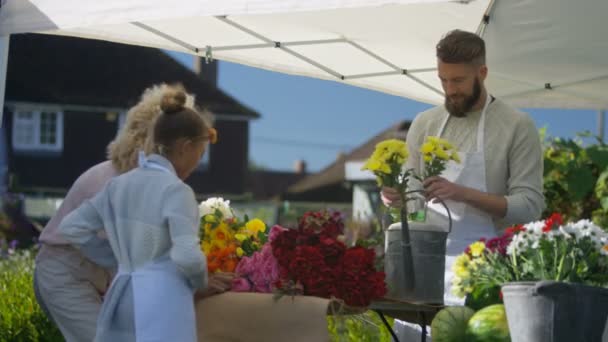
pixel 315 120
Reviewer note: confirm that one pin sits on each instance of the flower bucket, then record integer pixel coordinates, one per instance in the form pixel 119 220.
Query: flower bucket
pixel 549 311
pixel 428 244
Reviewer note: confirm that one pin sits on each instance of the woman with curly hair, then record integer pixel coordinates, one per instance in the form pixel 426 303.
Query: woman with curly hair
pixel 68 285
pixel 151 220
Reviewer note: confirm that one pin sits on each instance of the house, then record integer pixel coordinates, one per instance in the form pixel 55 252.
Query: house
pixel 66 99
pixel 343 180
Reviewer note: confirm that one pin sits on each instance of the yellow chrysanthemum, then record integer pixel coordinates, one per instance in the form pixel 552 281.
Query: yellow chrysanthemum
pixel 427 158
pixel 427 148
pixel 441 154
pixel 455 157
pixel 240 237
pixel 462 260
pixel 372 164
pixel 477 248
pixel 446 144
pixel 255 226
pixel 239 252
pixel 461 271
pixel 206 247
pixel 221 233
pixel 392 147
pixel 433 140
pixel 218 244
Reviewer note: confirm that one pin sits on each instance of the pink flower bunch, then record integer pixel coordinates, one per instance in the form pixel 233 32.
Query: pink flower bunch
pixel 259 272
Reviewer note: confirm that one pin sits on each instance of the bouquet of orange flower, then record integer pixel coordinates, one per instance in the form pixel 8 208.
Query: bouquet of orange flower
pixel 225 239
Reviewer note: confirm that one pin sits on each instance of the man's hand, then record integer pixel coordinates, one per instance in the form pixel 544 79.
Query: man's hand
pixel 390 197
pixel 218 283
pixel 440 188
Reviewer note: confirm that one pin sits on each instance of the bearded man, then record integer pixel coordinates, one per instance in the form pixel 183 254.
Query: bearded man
pixel 499 181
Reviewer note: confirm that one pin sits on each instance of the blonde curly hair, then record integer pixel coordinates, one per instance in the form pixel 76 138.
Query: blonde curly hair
pixel 137 132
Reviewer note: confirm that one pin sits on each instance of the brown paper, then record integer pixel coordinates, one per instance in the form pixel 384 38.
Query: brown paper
pixel 253 317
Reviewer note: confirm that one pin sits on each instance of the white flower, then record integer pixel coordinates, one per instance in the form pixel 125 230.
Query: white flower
pixel 216 203
pixel 535 227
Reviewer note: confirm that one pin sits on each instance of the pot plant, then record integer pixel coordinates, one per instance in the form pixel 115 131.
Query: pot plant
pixel 553 278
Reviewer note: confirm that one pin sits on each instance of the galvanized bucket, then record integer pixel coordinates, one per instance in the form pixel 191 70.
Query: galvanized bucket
pixel 549 311
pixel 428 255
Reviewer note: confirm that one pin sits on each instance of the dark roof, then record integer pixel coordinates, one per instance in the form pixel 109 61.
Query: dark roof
pixel 85 72
pixel 266 184
pixel 334 173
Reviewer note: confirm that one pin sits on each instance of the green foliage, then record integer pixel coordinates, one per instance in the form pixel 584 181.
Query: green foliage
pixel 21 319
pixel 482 297
pixel 366 327
pixel 576 179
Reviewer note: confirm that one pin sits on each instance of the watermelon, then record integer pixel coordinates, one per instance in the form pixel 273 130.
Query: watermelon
pixel 489 325
pixel 450 324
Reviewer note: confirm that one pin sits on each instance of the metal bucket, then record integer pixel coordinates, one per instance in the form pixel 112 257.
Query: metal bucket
pixel 549 311
pixel 428 253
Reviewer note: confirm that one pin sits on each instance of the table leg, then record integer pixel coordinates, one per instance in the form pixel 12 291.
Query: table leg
pixel 388 326
pixel 423 326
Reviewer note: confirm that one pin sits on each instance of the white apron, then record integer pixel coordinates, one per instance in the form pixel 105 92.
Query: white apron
pixel 162 300
pixel 468 224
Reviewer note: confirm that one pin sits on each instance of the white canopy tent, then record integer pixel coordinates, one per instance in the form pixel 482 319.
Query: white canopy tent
pixel 541 53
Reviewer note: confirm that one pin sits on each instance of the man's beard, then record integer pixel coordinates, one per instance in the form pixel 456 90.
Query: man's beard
pixel 461 109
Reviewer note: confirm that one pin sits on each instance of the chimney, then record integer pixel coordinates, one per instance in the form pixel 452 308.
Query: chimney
pixel 206 71
pixel 299 167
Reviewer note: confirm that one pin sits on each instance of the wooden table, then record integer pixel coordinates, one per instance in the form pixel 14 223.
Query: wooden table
pixel 418 313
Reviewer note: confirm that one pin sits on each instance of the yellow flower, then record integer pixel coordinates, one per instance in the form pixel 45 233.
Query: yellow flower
pixel 239 252
pixel 433 140
pixel 218 244
pixel 206 247
pixel 390 147
pixel 255 226
pixel 462 262
pixel 210 218
pixel 441 154
pixel 221 233
pixel 240 237
pixel 446 144
pixel 427 148
pixel 427 158
pixel 455 157
pixel 477 248
pixel 461 271
pixel 372 165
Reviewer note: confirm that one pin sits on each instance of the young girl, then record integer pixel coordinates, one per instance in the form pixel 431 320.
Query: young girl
pixel 151 221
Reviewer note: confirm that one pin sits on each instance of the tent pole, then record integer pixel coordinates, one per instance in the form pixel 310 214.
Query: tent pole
pixel 3 69
pixel 601 124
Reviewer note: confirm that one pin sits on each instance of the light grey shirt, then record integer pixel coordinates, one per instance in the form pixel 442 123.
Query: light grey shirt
pixel 85 187
pixel 512 150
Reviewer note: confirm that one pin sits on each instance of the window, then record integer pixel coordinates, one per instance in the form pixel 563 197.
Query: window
pixel 122 118
pixel 38 131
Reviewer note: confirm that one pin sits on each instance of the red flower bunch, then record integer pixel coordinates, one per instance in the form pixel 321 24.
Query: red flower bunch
pixel 499 244
pixel 555 220
pixel 313 260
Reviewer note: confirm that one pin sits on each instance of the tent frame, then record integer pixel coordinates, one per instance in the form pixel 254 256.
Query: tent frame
pixel 286 46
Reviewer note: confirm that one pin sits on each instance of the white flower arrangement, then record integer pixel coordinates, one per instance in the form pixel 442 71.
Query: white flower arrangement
pixel 215 204
pixel 578 231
